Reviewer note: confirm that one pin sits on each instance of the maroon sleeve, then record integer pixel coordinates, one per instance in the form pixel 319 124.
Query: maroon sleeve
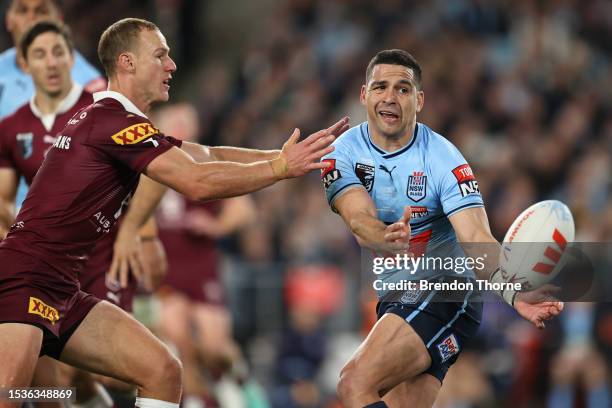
pixel 131 139
pixel 6 157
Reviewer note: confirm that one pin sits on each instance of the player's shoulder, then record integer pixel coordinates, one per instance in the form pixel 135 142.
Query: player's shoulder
pixel 8 58
pixel 352 140
pixel 433 142
pixel 20 115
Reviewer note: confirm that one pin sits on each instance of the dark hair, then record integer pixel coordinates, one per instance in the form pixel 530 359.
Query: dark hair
pixel 118 38
pixel 40 28
pixel 396 57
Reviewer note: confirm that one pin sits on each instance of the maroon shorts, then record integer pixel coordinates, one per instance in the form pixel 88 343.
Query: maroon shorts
pixel 93 276
pixel 31 292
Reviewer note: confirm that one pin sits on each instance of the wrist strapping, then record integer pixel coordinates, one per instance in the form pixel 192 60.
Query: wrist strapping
pixel 507 295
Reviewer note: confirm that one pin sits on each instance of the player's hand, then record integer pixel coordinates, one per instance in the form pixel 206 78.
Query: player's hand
pixel 538 305
pixel 155 257
pixel 397 235
pixel 127 256
pixel 297 159
pixel 3 232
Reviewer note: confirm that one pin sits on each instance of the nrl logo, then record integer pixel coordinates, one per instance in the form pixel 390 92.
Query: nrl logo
pixel 417 186
pixel 134 134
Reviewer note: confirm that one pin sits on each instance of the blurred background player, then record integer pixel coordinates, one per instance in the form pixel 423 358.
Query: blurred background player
pixel 25 138
pixel 16 86
pixel 194 316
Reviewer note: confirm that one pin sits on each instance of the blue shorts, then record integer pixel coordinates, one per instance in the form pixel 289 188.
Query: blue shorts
pixel 444 326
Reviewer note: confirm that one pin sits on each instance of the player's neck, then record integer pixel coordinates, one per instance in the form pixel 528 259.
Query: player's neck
pixel 391 143
pixel 48 103
pixel 127 89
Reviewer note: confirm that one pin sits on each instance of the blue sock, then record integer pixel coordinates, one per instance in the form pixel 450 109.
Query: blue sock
pixel 379 404
pixel 561 396
pixel 599 397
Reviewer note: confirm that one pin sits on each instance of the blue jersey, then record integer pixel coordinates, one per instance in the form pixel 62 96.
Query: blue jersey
pixel 429 174
pixel 16 88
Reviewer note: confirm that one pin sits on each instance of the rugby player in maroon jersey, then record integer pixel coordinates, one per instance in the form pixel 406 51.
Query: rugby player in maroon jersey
pixel 25 138
pixel 82 188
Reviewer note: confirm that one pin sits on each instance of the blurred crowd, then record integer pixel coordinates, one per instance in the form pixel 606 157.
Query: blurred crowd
pixel 521 87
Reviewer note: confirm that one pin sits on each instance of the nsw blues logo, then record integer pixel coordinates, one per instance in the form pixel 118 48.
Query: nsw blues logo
pixel 417 186
pixel 25 141
pixel 448 347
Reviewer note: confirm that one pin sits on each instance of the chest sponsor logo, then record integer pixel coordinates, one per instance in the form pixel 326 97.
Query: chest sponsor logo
pixel 466 181
pixel 25 141
pixel 448 347
pixel 134 134
pixel 419 212
pixel 40 308
pixel 365 173
pixel 417 186
pixel 331 174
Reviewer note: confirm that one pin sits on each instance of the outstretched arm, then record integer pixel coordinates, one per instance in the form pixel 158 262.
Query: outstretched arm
pixel 471 226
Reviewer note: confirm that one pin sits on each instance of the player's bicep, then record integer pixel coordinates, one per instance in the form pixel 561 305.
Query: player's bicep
pixel 471 225
pixel 198 152
pixel 175 169
pixel 354 204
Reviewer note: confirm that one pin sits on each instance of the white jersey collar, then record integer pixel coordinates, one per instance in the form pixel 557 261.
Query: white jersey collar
pixel 48 119
pixel 127 104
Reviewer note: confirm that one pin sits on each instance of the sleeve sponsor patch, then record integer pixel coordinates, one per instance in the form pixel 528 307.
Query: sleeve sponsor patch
pixel 330 174
pixel 466 180
pixel 135 134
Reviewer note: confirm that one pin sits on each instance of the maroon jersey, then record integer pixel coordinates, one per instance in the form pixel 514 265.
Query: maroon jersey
pixel 84 184
pixel 27 134
pixel 193 259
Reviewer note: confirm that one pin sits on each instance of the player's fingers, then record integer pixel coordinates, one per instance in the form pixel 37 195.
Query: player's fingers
pixel 315 137
pixel 321 143
pixel 136 266
pixel 393 236
pixel 320 153
pixel 293 139
pixel 407 214
pixel 111 275
pixel 123 272
pixel 316 165
pixel 336 127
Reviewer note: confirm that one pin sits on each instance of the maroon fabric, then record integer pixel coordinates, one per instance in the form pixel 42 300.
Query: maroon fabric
pixel 23 129
pixel 193 259
pixel 82 188
pixel 28 296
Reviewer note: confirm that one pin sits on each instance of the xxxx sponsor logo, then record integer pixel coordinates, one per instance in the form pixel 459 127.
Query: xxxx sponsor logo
pixel 38 307
pixel 134 134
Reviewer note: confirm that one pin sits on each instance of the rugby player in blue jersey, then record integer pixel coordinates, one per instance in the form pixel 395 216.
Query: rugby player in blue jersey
pixel 399 185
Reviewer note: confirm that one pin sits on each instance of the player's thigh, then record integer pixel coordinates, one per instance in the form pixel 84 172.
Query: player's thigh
pixel 111 342
pixel 391 354
pixel 213 324
pixel 174 319
pixel 418 392
pixel 19 349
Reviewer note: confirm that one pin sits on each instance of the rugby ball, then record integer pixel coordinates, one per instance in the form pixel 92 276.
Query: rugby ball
pixel 533 251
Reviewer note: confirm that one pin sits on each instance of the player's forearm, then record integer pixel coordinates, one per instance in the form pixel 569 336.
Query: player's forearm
pixel 143 204
pixel 241 155
pixel 7 213
pixel 216 180
pixel 369 232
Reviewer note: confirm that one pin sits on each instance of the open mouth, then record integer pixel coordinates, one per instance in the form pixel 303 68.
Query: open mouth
pixel 166 82
pixel 388 116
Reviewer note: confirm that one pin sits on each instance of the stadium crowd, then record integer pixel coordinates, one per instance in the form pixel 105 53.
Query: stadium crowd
pixel 520 87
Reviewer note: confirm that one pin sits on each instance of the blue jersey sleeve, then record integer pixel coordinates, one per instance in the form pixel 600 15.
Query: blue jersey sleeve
pixel 340 176
pixel 455 181
pixel 82 71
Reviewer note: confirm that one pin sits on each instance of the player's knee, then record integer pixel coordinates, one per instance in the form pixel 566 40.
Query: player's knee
pixel 168 372
pixel 352 382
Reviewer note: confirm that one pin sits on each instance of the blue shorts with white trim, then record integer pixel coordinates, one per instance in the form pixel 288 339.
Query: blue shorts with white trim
pixel 444 321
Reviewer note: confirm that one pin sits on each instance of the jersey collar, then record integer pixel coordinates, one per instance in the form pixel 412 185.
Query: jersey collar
pixel 122 99
pixel 48 119
pixel 386 155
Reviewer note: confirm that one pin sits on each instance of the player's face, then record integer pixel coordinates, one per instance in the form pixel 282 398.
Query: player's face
pixel 23 13
pixel 154 67
pixel 392 100
pixel 49 62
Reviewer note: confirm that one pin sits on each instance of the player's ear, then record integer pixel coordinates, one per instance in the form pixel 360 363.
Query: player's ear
pixel 22 62
pixel 420 100
pixel 125 62
pixel 362 95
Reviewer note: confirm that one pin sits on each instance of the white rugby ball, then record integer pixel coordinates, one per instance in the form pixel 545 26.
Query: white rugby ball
pixel 533 251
